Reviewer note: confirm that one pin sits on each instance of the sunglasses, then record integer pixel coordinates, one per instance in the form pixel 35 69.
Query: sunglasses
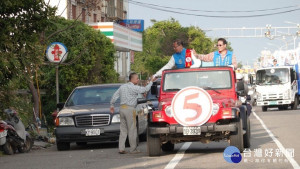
pixel 219 45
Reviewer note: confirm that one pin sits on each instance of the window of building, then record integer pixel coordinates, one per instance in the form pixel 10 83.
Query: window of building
pixel 73 12
pixel 95 17
pixel 83 15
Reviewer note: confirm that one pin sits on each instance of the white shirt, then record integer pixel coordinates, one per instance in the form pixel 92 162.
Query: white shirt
pixel 129 93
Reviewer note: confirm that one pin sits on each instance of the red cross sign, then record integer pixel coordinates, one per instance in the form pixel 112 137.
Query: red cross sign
pixel 57 52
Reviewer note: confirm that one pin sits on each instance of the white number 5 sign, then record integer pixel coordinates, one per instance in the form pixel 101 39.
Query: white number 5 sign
pixel 192 106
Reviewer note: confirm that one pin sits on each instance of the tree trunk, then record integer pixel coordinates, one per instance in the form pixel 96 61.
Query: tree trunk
pixel 35 97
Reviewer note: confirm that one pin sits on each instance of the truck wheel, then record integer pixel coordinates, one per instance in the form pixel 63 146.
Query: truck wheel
pixel 295 104
pixel 8 149
pixel 61 146
pixel 264 108
pixel 153 145
pixel 167 147
pixel 247 135
pixel 236 139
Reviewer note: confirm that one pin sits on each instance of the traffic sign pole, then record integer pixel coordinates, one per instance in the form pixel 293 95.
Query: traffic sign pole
pixel 57 86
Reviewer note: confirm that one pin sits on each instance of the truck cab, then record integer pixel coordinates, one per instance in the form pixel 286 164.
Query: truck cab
pixel 277 87
pixel 198 104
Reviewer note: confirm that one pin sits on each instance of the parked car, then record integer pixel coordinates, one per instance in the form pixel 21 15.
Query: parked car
pixel 86 117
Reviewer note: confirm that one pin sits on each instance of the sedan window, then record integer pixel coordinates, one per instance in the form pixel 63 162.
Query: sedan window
pixel 91 95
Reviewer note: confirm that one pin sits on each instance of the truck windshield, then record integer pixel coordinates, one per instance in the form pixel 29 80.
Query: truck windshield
pixel 219 79
pixel 272 76
pixel 91 95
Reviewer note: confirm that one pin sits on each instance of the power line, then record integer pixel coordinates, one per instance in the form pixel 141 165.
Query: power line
pixel 213 16
pixel 198 10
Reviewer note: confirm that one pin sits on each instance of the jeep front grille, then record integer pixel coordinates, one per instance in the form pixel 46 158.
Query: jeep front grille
pixel 93 120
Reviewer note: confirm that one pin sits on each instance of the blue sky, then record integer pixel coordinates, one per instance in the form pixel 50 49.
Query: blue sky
pixel 246 49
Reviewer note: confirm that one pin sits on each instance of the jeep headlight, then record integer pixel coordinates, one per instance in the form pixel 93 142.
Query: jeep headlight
pixel 66 121
pixel 168 111
pixel 216 108
pixel 116 118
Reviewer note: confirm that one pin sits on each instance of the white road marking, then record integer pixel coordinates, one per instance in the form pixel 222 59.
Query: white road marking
pixel 280 146
pixel 172 164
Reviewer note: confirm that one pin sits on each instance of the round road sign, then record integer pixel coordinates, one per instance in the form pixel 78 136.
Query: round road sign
pixel 57 52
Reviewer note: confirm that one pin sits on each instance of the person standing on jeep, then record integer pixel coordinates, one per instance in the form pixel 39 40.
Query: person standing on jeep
pixel 177 59
pixel 128 94
pixel 222 57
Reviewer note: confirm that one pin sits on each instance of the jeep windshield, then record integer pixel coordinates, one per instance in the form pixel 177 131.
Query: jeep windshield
pixel 272 76
pixel 92 95
pixel 209 80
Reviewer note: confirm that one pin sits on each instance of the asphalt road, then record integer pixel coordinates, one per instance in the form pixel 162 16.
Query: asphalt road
pixel 279 131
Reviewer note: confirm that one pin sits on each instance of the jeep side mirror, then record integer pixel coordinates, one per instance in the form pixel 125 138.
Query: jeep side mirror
pixel 141 100
pixel 60 105
pixel 240 88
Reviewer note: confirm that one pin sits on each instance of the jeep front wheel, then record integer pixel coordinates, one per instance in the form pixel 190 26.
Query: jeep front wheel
pixel 236 139
pixel 247 135
pixel 153 144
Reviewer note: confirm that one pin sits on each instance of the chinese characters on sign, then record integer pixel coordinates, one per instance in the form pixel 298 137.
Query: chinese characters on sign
pixel 268 155
pixel 133 24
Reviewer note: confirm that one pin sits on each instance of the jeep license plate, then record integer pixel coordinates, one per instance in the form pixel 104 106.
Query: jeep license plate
pixel 191 130
pixel 92 132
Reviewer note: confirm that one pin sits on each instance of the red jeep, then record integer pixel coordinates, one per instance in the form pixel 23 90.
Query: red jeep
pixel 181 106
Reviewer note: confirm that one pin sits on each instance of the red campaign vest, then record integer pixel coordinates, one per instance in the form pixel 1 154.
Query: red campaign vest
pixel 188 58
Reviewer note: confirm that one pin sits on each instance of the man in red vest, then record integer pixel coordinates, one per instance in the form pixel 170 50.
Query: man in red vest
pixel 181 58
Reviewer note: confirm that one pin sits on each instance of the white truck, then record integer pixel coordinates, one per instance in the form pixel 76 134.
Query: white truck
pixel 277 87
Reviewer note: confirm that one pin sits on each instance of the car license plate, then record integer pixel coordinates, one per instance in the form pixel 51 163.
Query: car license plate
pixel 92 132
pixel 273 102
pixel 191 130
pixel 3 134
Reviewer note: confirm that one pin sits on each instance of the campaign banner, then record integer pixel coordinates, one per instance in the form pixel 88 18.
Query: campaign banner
pixel 133 24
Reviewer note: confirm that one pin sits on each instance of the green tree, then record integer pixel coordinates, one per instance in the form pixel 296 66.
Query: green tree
pixel 240 65
pixel 22 24
pixel 90 61
pixel 158 48
pixel 27 27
